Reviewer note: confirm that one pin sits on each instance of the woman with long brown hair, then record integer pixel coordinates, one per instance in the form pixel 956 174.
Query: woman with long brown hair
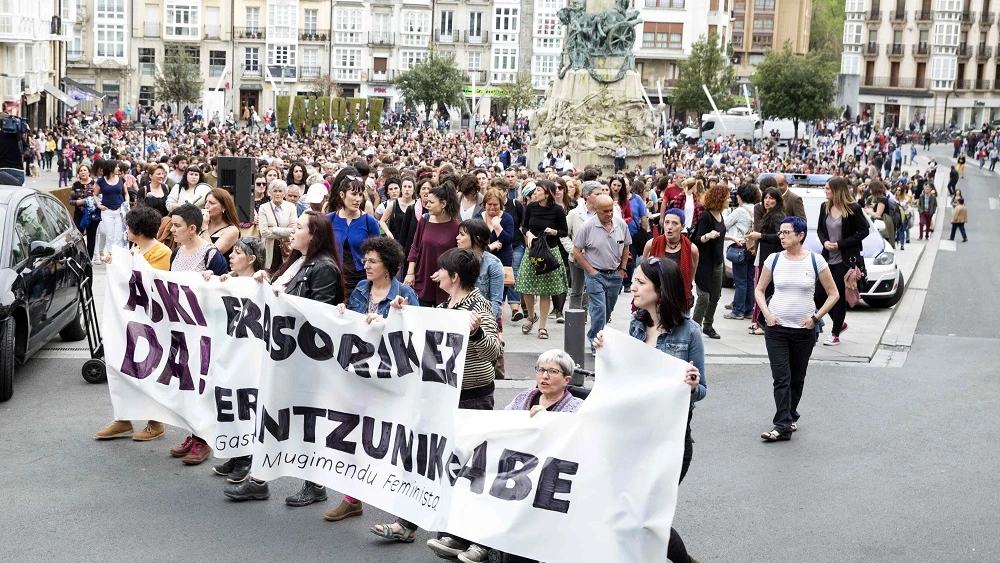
pixel 841 230
pixel 223 226
pixel 709 234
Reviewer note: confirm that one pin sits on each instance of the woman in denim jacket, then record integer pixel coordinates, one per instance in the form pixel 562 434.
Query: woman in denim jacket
pixel 383 258
pixel 660 300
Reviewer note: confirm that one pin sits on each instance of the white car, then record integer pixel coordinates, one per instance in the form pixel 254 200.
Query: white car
pixel 885 284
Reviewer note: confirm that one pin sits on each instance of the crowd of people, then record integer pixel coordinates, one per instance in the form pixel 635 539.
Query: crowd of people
pixel 410 215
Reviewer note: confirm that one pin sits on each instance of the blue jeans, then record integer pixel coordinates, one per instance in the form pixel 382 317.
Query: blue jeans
pixel 510 295
pixel 901 232
pixel 17 174
pixel 743 282
pixel 603 291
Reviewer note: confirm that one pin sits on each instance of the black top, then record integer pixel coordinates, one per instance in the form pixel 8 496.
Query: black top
pixel 158 203
pixel 516 212
pixel 396 219
pixel 10 152
pixel 854 229
pixel 537 219
pixel 352 276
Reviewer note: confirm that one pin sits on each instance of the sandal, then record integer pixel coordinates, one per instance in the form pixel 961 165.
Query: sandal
pixel 775 436
pixel 387 533
pixel 529 324
pixel 543 334
pixel 756 330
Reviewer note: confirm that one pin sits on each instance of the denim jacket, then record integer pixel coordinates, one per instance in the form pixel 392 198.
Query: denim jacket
pixel 363 291
pixel 682 342
pixel 490 281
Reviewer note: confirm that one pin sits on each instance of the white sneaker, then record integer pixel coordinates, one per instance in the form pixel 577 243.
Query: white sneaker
pixel 832 341
pixel 446 546
pixel 475 554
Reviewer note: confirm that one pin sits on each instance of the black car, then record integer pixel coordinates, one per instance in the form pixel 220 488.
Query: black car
pixel 39 293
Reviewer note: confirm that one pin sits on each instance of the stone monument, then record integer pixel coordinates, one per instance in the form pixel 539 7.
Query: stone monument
pixel 597 102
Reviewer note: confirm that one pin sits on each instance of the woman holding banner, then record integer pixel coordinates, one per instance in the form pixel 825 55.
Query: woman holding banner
pixel 383 257
pixel 141 225
pixel 311 271
pixel 660 299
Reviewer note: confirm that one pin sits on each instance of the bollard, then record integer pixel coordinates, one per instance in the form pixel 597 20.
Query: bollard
pixel 575 339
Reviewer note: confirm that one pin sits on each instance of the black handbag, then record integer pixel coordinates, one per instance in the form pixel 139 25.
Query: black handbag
pixel 541 257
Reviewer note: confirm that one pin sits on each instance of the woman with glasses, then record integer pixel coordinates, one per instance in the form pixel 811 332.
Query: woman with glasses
pixel 660 299
pixel 260 197
pixel 791 318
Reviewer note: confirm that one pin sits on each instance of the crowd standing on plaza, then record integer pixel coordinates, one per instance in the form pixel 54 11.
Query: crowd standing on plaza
pixel 411 214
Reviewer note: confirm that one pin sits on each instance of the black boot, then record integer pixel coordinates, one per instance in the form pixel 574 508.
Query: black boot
pixel 310 493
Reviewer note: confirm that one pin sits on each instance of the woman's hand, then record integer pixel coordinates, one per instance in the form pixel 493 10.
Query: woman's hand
pixel 753 235
pixel 207 275
pixel 528 239
pixel 341 308
pixel 495 223
pixel 809 324
pixel 259 276
pixel 495 246
pixel 692 376
pixel 830 245
pixel 474 321
pixel 372 318
pixel 409 279
pixel 550 231
pixel 436 277
pixel 398 302
pixel 771 319
pixel 222 278
pixel 535 410
pixel 598 340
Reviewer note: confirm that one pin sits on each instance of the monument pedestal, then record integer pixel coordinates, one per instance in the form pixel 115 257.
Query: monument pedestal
pixel 588 120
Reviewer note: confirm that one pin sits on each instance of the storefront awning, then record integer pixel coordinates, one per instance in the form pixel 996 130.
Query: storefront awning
pixel 60 95
pixel 79 91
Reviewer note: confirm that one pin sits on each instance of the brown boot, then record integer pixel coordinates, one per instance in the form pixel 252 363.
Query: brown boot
pixel 117 429
pixel 152 431
pixel 344 510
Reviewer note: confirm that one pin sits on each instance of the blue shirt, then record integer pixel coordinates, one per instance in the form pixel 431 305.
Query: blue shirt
pixel 638 212
pixel 363 292
pixel 355 233
pixel 682 342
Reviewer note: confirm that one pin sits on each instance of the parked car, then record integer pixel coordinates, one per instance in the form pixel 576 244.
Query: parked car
pixel 39 295
pixel 885 284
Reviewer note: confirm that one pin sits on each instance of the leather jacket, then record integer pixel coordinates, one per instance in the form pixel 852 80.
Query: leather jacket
pixel 320 280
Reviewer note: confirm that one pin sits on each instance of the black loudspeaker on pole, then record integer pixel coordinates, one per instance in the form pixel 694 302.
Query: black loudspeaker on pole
pixel 236 176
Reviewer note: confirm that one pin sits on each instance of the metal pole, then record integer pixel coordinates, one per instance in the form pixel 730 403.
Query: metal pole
pixel 575 339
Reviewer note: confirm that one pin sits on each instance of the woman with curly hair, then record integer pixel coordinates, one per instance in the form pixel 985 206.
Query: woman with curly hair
pixel 709 234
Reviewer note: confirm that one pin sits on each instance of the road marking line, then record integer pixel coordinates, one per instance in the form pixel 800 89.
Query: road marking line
pixel 948 245
pixel 994 203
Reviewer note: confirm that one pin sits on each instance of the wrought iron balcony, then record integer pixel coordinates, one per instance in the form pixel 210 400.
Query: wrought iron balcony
pixel 250 33
pixel 984 51
pixel 895 50
pixel 314 35
pixel 921 49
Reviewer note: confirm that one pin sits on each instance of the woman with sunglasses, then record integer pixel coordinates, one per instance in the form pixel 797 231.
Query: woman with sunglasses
pixel 660 320
pixel 260 197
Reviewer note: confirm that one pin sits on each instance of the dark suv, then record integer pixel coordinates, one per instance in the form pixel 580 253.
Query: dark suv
pixel 39 295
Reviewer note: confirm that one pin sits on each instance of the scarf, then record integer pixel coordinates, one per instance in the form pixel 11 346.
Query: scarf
pixel 659 249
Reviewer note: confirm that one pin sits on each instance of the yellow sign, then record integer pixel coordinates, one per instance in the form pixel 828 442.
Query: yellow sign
pixel 490 91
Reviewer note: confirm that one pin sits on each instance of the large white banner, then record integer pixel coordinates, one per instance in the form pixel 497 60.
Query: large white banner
pixel 370 410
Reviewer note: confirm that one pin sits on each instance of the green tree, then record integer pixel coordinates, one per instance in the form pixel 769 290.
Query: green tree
pixel 826 29
pixel 708 65
pixel 179 79
pixel 434 81
pixel 796 87
pixel 326 86
pixel 520 95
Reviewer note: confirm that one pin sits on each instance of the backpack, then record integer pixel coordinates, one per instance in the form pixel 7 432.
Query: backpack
pixel 892 210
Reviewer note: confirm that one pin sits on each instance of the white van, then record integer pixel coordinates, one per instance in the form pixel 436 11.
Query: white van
pixel 746 127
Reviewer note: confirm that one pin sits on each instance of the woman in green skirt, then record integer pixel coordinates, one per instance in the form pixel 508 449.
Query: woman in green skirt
pixel 542 217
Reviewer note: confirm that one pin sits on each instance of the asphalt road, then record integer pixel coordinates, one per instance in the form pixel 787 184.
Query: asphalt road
pixel 890 465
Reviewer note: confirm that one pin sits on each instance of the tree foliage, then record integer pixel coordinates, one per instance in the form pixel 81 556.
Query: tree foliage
pixel 708 65
pixel 826 29
pixel 520 95
pixel 435 81
pixel 326 86
pixel 179 79
pixel 796 87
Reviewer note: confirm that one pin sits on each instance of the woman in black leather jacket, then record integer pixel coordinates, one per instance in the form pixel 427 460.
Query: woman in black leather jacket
pixel 767 221
pixel 311 271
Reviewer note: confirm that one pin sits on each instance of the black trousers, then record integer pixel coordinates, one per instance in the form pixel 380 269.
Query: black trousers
pixel 789 350
pixel 91 233
pixel 676 550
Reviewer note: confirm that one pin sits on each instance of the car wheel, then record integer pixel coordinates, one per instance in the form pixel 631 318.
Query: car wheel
pixel 76 330
pixel 886 302
pixel 7 331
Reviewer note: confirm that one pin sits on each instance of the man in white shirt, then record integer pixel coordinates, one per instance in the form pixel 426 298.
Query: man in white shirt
pixel 575 219
pixel 601 248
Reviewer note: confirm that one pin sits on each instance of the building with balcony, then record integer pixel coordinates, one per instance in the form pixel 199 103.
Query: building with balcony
pixel 664 39
pixel 32 42
pixel 933 60
pixel 759 25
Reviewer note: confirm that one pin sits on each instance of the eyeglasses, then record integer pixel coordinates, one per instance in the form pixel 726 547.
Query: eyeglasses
pixel 551 371
pixel 372 261
pixel 260 183
pixel 786 233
